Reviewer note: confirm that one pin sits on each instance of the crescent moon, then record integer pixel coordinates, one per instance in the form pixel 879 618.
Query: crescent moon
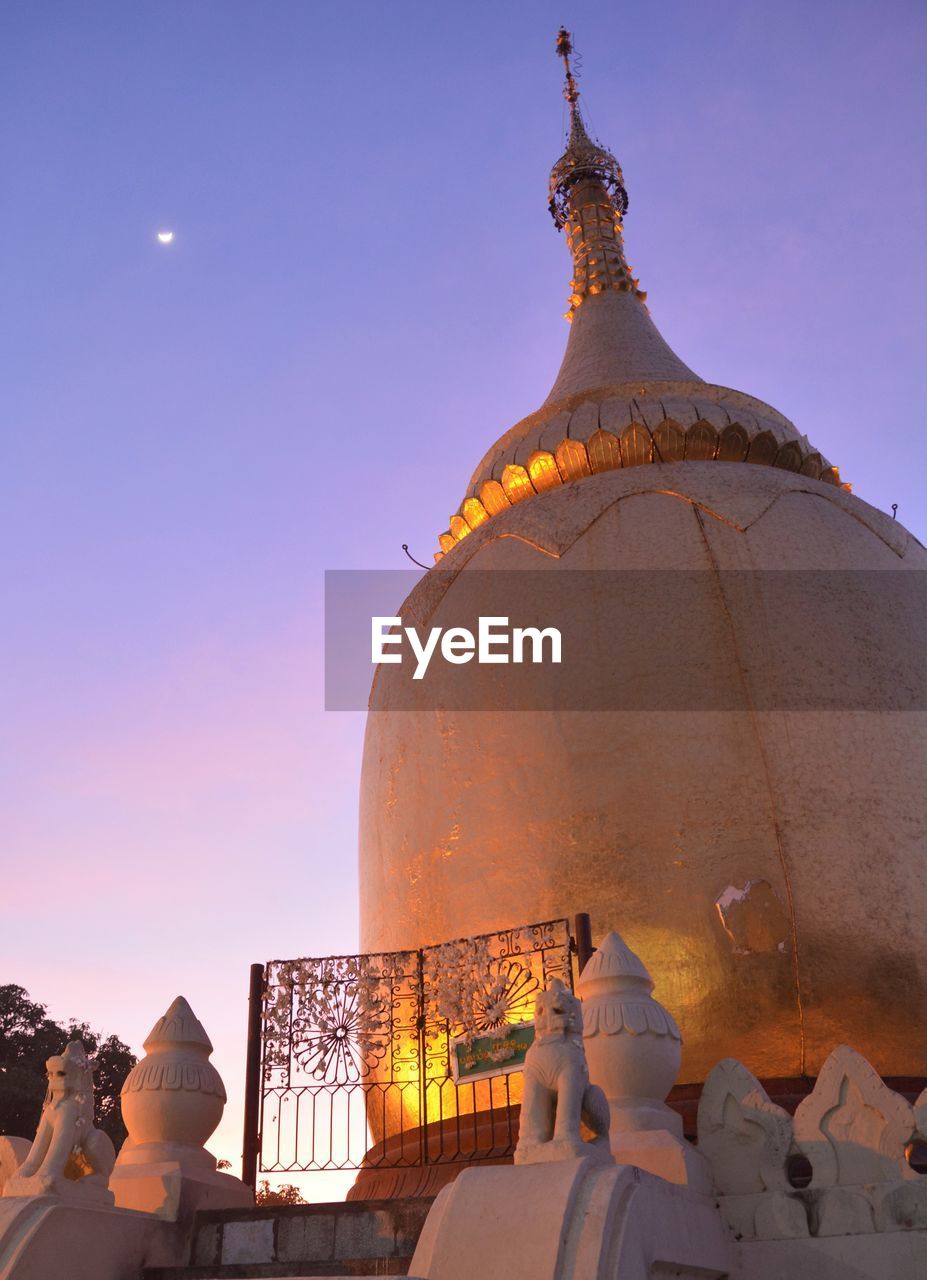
pixel 165 236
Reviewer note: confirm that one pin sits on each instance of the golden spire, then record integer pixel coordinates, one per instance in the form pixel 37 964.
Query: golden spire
pixel 564 49
pixel 588 199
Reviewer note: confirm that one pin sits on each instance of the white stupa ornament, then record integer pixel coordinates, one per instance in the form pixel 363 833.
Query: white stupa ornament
pixel 633 1045
pixel 634 1048
pixel 172 1102
pixel 174 1095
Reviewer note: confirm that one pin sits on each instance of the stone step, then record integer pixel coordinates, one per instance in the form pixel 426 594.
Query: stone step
pixel 360 1268
pixel 347 1238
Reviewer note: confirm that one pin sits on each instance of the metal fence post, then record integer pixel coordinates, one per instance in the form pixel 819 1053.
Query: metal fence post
pixel 422 1058
pixel 251 1144
pixel 583 932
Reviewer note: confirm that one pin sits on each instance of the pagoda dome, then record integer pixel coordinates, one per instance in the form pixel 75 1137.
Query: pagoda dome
pixel 766 862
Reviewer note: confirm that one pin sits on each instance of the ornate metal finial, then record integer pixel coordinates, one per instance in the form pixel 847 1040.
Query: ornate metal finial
pixel 583 159
pixel 564 49
pixel 588 199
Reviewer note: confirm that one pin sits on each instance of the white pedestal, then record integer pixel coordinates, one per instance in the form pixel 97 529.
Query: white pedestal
pixel 568 1219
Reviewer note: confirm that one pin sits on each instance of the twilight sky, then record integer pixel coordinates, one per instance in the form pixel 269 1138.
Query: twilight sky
pixel 364 291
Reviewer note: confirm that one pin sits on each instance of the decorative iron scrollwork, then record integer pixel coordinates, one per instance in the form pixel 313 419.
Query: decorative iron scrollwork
pixel 353 1044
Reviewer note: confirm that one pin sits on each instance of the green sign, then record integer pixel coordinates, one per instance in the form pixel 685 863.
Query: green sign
pixel 491 1055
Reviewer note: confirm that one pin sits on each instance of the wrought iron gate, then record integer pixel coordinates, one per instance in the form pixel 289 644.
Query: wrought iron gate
pixel 372 1059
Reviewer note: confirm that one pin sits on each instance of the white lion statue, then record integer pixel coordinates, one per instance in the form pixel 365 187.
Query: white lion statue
pixel 558 1098
pixel 69 1157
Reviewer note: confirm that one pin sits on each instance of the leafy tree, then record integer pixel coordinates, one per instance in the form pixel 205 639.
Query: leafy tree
pixel 286 1193
pixel 27 1038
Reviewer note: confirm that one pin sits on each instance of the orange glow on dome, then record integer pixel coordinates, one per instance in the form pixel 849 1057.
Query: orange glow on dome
pixel 516 483
pixel 603 450
pixel 572 459
pixel 493 498
pixel 474 512
pixel 542 468
pixel 669 441
pixel 701 442
pixel 636 446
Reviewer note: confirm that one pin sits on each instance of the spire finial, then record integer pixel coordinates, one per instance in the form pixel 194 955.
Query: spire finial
pixel 588 200
pixel 583 158
pixel 564 49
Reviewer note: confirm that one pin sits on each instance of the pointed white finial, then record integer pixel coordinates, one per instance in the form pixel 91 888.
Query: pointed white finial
pixel 633 1044
pixel 615 959
pixel 634 1049
pixel 174 1097
pixel 179 1025
pixel 172 1102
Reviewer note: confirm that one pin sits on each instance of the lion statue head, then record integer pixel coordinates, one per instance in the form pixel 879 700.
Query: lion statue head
pixel 557 1013
pixel 70 1075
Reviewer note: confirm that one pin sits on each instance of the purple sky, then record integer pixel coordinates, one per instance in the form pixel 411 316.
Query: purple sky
pixel 365 290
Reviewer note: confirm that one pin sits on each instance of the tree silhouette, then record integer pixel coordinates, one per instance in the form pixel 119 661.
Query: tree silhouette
pixel 27 1038
pixel 286 1193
